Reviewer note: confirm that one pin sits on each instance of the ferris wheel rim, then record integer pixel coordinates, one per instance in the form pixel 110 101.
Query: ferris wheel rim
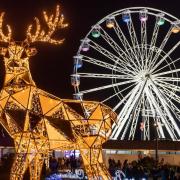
pixel 119 12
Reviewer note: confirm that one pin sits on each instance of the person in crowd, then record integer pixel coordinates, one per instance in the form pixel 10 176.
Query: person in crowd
pixel 73 164
pixel 119 164
pixel 53 165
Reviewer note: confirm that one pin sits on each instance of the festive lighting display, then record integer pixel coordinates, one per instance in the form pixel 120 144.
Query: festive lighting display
pixel 126 17
pixel 161 19
pixel 40 122
pixel 110 23
pixel 176 27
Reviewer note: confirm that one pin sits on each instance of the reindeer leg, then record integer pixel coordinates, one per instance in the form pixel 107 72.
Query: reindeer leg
pixel 19 166
pixel 35 167
pixel 20 163
pixel 94 165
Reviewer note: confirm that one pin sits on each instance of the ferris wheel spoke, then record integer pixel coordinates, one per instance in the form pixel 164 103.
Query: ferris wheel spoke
pixel 134 90
pixel 119 92
pixel 111 56
pixel 166 72
pixel 170 95
pixel 110 76
pixel 104 65
pixel 161 60
pixel 168 85
pixel 170 79
pixel 171 63
pixel 151 98
pixel 160 49
pixel 128 124
pixel 127 109
pixel 125 42
pixel 107 86
pixel 146 130
pixel 165 105
pixel 160 129
pixel 134 41
pixel 144 44
pixel 134 121
pixel 125 56
pixel 154 113
pixel 173 106
pixel 153 42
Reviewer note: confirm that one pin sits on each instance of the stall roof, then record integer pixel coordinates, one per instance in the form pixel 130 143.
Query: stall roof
pixel 7 141
pixel 142 145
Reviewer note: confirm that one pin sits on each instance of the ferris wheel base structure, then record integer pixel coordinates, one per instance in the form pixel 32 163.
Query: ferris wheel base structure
pixel 130 61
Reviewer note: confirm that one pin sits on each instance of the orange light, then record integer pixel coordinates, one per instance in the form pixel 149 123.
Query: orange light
pixel 110 23
pixel 175 29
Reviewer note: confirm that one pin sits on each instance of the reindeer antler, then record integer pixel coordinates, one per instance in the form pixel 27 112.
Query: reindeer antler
pixel 3 37
pixel 53 23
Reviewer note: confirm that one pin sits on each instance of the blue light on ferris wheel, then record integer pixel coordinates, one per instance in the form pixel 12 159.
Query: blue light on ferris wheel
pixel 78 61
pixel 126 17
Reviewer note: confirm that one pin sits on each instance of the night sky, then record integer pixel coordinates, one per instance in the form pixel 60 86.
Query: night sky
pixel 52 66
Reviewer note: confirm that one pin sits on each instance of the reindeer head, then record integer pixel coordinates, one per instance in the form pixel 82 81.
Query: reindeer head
pixel 16 53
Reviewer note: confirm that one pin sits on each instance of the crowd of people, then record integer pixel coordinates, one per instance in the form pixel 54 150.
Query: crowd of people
pixel 144 168
pixel 70 163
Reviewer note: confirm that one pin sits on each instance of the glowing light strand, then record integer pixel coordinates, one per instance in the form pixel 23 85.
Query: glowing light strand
pixel 53 23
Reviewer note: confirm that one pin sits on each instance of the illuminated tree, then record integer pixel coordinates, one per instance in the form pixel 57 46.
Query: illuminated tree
pixel 40 122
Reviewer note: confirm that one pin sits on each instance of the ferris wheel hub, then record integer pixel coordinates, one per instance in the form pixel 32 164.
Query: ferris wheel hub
pixel 143 75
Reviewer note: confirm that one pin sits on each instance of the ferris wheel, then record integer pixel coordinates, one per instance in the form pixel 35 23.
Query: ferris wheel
pixel 130 60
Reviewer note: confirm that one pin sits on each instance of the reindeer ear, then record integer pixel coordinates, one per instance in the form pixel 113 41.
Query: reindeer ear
pixel 3 51
pixel 31 51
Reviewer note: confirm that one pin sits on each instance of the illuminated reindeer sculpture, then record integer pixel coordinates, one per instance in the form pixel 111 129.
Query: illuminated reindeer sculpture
pixel 40 122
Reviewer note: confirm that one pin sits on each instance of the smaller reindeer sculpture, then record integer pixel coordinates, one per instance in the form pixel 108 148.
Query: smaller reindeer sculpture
pixel 40 122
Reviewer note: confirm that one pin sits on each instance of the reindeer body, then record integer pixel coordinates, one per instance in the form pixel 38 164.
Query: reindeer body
pixel 40 122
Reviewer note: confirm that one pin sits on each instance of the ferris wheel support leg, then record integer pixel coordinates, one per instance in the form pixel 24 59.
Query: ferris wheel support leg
pixel 93 163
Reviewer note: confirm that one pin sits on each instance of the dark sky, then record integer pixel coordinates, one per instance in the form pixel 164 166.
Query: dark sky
pixel 52 66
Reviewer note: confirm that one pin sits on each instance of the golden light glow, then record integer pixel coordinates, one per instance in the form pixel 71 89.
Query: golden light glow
pixel 53 22
pixel 175 30
pixel 110 23
pixel 3 37
pixel 40 122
